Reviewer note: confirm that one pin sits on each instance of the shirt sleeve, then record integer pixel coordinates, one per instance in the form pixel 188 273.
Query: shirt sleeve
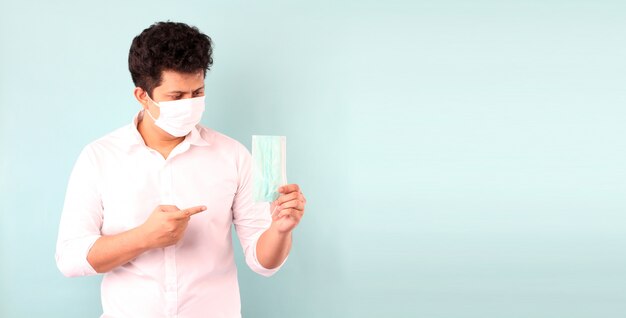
pixel 250 219
pixel 81 219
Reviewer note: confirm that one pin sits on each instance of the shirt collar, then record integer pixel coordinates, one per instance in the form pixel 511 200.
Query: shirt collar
pixel 193 138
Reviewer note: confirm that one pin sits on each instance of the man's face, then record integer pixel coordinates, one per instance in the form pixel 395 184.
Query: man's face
pixel 176 86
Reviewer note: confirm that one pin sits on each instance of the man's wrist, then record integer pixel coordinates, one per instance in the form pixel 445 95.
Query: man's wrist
pixel 140 239
pixel 279 234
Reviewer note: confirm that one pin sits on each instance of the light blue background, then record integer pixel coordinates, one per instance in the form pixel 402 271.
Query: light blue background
pixel 460 158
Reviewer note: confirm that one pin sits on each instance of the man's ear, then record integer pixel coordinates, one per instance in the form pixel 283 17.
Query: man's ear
pixel 141 97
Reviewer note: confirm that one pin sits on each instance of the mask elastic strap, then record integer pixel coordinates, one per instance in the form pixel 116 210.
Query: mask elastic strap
pixel 155 103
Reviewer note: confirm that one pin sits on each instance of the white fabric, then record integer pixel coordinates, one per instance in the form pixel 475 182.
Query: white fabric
pixel 179 117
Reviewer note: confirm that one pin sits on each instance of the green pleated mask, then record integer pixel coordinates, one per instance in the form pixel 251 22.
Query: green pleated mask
pixel 270 166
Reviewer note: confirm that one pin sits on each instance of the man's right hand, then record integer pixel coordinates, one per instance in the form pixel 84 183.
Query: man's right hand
pixel 166 225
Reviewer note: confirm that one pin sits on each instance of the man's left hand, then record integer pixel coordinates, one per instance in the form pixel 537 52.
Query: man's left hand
pixel 288 209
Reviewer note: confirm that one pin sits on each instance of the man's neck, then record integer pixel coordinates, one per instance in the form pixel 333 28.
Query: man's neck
pixel 156 141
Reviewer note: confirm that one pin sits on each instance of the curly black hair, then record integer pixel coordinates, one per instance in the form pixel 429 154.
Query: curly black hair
pixel 168 46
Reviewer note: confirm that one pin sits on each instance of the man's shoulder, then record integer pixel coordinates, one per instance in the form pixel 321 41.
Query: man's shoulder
pixel 119 139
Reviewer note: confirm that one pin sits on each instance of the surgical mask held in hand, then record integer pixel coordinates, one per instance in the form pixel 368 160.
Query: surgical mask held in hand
pixel 270 166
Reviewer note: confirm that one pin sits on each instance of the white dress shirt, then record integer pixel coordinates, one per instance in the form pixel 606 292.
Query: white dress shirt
pixel 115 185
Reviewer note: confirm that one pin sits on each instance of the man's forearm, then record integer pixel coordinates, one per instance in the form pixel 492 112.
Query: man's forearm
pixel 273 247
pixel 109 252
pixel 164 227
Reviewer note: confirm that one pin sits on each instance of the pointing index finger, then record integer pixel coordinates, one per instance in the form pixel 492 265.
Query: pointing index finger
pixel 191 211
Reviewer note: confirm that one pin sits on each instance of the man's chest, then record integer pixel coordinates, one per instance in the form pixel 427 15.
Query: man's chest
pixel 133 186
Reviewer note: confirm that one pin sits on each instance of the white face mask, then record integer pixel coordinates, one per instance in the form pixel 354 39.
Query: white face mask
pixel 178 117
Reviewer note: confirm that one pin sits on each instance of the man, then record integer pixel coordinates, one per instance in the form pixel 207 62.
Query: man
pixel 151 204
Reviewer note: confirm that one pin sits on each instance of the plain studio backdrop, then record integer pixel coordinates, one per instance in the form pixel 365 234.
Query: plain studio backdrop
pixel 460 158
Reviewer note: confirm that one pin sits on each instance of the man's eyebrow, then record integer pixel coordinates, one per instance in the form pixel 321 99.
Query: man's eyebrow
pixel 181 92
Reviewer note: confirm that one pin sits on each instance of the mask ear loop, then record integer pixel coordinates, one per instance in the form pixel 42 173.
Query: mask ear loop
pixel 155 103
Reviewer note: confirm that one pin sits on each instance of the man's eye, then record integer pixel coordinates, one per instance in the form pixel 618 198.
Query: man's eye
pixel 197 93
pixel 176 96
